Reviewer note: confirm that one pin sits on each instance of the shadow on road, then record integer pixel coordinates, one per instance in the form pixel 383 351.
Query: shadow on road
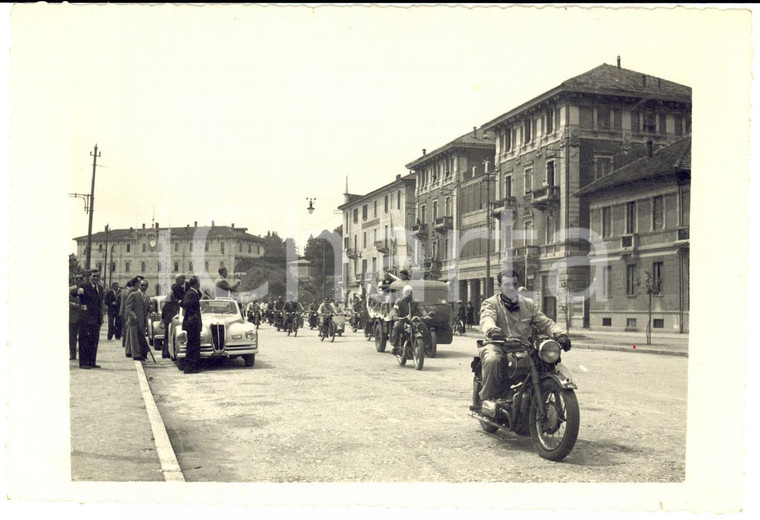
pixel 598 453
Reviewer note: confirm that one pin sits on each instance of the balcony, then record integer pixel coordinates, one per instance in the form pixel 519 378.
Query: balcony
pixel 505 208
pixel 682 233
pixel 382 246
pixel 442 224
pixel 353 254
pixel 545 197
pixel 419 230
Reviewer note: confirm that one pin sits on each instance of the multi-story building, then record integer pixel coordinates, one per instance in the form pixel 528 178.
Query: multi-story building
pixel 552 146
pixel 641 212
pixel 374 232
pixel 160 253
pixel 450 211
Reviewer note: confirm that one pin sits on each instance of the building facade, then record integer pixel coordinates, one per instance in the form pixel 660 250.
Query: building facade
pixel 159 254
pixel 549 148
pixel 641 212
pixel 450 212
pixel 374 232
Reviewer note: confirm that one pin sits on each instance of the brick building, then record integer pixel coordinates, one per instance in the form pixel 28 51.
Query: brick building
pixel 160 253
pixel 641 212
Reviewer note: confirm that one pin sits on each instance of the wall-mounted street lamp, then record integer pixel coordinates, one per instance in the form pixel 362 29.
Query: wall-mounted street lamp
pixel 310 208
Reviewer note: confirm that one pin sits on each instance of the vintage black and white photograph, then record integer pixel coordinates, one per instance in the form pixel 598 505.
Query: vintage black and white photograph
pixel 447 256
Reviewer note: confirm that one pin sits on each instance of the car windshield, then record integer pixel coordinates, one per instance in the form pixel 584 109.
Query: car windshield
pixel 218 307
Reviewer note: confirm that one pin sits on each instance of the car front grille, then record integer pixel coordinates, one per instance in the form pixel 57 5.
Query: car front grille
pixel 217 335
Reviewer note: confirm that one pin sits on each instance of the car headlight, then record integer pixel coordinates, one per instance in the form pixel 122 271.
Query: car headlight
pixel 549 351
pixel 182 338
pixel 250 335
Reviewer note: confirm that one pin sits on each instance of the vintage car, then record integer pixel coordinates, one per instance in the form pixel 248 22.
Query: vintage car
pixel 225 333
pixel 156 332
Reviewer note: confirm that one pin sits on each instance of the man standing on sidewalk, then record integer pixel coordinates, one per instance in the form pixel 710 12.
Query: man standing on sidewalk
pixel 90 319
pixel 170 309
pixel 137 322
pixel 74 316
pixel 112 304
pixel 192 325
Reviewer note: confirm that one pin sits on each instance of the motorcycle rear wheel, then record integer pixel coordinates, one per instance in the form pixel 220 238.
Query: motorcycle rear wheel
pixel 418 353
pixel 555 433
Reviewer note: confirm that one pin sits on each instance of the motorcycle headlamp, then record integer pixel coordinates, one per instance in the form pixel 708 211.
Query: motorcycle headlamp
pixel 549 351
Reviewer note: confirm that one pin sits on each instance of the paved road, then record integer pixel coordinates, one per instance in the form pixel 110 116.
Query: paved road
pixel 313 411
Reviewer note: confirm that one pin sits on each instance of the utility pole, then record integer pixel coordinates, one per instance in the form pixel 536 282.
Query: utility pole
pixel 106 279
pixel 94 156
pixel 487 177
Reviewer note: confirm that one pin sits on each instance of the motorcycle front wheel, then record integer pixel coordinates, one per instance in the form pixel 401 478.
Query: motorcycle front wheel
pixel 418 353
pixel 332 333
pixel 401 356
pixel 433 348
pixel 554 434
pixel 380 341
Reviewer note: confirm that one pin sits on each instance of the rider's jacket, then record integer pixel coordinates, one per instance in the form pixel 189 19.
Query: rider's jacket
pixel 278 305
pixel 313 307
pixel 404 305
pixel 292 307
pixel 325 308
pixel 517 324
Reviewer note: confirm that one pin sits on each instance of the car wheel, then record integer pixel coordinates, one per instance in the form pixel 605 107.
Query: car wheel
pixel 180 363
pixel 249 359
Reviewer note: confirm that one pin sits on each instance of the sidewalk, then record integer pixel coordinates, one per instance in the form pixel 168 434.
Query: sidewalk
pixel 665 344
pixel 111 436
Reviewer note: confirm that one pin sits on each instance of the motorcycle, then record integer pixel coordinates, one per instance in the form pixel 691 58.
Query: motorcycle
pixel 328 329
pixel 312 320
pixel 356 321
pixel 412 343
pixel 254 316
pixel 291 323
pixel 278 320
pixel 537 396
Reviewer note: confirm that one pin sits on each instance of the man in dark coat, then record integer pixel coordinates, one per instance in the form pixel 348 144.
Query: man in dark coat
pixel 74 316
pixel 170 309
pixel 112 304
pixel 91 305
pixel 192 325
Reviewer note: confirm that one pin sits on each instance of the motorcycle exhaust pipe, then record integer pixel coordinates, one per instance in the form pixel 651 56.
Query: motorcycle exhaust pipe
pixel 488 421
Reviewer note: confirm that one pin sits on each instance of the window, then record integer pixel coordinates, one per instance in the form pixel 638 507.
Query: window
pixel 423 214
pixel 356 215
pixel 364 265
pixel 129 247
pixel 249 248
pixel 528 130
pixel 550 173
pixel 100 248
pixel 649 122
pixel 126 266
pixel 630 323
pixel 386 235
pixel 606 322
pixel 374 265
pixel 549 230
pixel 355 248
pixel 176 247
pixel 657 278
pixel 630 217
pixel 679 124
pixel 635 124
pixel 448 206
pixel 658 213
pixel 658 323
pixel 240 247
pixel 603 117
pixel 374 236
pixel 661 127
pixel 364 212
pixel 374 209
pixel 190 267
pixel 630 279
pixel 205 265
pixel 549 125
pixel 191 246
pixel 607 281
pixel 221 247
pixel 158 265
pixel 398 199
pixel 602 166
pixel 606 222
pixel 205 246
pixel 587 118
pixel 176 267
pixel 508 186
pixel 364 240
pixel 507 140
pixel 386 204
pixel 435 210
pixel 528 180
pixel 145 248
pixel 617 119
pixel 142 267
pixel 528 232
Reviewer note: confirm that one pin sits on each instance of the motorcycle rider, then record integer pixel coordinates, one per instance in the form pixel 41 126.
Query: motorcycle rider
pixel 291 307
pixel 405 307
pixel 509 315
pixel 324 309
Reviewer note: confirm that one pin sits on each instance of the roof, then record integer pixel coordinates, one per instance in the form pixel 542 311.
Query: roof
pixel 186 232
pixel 669 160
pixel 474 139
pixel 409 178
pixel 608 80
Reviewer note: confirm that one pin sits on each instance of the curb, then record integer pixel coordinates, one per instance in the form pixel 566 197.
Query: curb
pixel 621 348
pixel 169 465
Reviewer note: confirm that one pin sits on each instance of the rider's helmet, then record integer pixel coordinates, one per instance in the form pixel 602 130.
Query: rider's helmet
pixel 407 291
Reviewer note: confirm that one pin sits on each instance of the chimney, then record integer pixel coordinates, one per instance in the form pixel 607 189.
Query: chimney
pixel 424 151
pixel 618 61
pixel 143 226
pixel 156 225
pixel 212 223
pixel 475 132
pixel 650 149
pixel 644 79
pixel 131 229
pixel 195 223
pixel 233 225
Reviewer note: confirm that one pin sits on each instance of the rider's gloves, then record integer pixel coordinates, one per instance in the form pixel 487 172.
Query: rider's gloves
pixel 496 335
pixel 564 342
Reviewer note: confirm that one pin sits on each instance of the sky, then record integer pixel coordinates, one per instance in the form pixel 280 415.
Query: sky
pixel 233 114
pixel 240 113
